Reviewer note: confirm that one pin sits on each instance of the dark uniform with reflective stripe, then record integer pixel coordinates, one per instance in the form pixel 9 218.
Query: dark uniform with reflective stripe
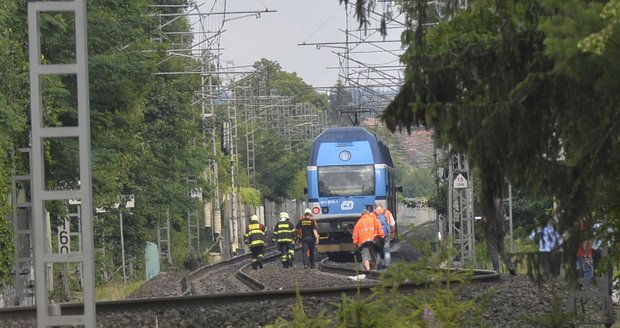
pixel 284 235
pixel 255 238
pixel 305 228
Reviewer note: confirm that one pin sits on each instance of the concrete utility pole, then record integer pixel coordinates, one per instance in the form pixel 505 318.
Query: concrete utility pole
pixel 120 220
pixel 48 314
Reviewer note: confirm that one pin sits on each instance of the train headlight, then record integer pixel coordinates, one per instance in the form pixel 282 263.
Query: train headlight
pixel 315 210
pixel 325 210
pixel 345 155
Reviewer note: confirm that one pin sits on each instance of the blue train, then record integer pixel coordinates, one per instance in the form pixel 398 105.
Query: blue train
pixel 349 170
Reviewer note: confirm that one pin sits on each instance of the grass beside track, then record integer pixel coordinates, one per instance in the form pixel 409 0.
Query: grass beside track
pixel 116 290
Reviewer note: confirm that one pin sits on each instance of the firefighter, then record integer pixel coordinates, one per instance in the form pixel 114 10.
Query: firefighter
pixel 308 233
pixel 283 235
pixel 255 238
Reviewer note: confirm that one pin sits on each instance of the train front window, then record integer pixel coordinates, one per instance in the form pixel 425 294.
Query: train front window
pixel 356 180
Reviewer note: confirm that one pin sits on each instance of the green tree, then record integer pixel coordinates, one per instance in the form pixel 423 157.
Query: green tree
pixel 288 84
pixel 339 98
pixel 149 150
pixel 277 167
pixel 299 184
pixel 416 182
pixel 507 84
pixel 142 124
pixel 277 163
pixel 13 120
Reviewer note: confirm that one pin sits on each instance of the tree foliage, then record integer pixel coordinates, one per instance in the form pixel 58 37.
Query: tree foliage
pixel 416 181
pixel 13 120
pixel 277 165
pixel 507 84
pixel 288 84
pixel 142 124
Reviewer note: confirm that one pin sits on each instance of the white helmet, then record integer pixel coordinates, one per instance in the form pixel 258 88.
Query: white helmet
pixel 283 215
pixel 254 217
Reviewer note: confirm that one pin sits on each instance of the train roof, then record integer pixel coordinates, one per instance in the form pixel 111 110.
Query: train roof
pixel 381 153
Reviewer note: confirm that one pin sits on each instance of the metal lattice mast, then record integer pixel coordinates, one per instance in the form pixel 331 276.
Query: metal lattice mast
pixel 234 233
pixel 250 110
pixel 461 209
pixel 21 200
pixel 49 315
pixel 163 240
pixel 193 221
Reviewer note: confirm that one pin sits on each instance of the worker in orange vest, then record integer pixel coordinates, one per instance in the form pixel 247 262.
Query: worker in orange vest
pixel 366 229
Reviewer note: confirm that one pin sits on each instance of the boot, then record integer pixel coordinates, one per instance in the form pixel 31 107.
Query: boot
pixel 254 266
pixel 260 265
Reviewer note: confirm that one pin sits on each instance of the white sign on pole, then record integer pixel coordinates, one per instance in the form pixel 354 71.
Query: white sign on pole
pixel 460 181
pixel 196 193
pixel 131 201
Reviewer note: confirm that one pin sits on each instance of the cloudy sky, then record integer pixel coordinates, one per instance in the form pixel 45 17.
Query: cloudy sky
pixel 277 35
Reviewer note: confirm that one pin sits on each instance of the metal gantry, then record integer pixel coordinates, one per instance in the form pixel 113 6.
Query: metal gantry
pixel 48 314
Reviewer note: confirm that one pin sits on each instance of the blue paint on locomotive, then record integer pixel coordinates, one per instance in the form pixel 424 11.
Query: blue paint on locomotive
pixel 349 168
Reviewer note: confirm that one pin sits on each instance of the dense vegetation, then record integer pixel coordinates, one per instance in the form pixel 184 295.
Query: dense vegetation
pixel 141 123
pixel 147 131
pixel 528 90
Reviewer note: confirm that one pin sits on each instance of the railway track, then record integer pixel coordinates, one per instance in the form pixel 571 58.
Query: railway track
pixel 251 289
pixel 219 278
pixel 518 297
pixel 25 315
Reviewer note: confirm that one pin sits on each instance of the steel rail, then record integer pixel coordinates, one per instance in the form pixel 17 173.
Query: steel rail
pixel 162 303
pixel 187 283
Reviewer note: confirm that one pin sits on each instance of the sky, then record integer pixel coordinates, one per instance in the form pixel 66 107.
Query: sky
pixel 277 35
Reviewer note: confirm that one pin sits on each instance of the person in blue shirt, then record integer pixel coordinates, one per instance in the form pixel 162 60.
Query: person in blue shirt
pixel 549 245
pixel 549 239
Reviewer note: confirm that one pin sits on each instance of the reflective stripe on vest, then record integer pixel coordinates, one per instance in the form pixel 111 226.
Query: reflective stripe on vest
pixel 284 232
pixel 255 234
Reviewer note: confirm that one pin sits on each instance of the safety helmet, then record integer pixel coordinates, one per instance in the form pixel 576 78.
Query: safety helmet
pixel 307 211
pixel 254 217
pixel 283 215
pixel 379 210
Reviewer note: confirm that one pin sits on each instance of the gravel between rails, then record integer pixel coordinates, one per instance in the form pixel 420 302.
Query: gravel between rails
pixel 275 277
pixel 221 281
pixel 163 285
